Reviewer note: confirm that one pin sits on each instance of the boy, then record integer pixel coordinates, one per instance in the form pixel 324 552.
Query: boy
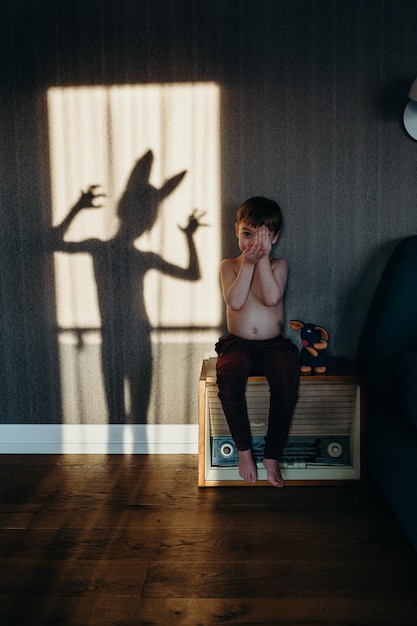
pixel 253 287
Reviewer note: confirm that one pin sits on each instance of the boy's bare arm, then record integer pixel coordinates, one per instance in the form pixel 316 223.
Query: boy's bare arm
pixel 236 278
pixel 272 277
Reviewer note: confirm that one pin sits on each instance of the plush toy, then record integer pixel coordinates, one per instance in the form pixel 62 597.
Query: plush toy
pixel 313 355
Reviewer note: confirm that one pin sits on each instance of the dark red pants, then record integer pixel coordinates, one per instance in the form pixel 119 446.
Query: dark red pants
pixel 277 360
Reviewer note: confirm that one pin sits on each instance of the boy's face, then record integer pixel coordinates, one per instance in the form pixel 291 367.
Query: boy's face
pixel 247 235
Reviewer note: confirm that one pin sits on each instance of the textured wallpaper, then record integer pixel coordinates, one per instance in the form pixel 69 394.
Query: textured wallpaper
pixel 308 111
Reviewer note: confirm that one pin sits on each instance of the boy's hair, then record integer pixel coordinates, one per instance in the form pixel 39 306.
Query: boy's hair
pixel 260 211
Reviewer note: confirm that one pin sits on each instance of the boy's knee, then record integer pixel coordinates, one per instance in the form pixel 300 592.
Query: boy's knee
pixel 285 387
pixel 231 375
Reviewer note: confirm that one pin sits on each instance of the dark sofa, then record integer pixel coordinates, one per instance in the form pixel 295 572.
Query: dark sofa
pixel 387 357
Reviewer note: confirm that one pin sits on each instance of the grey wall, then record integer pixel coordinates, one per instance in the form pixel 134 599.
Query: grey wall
pixel 311 114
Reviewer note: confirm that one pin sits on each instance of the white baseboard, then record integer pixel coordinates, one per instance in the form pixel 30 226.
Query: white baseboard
pixel 98 439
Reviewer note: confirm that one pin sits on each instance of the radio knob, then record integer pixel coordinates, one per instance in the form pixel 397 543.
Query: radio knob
pixel 334 449
pixel 227 450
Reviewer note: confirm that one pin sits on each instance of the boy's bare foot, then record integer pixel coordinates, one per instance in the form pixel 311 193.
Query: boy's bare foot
pixel 273 472
pixel 247 466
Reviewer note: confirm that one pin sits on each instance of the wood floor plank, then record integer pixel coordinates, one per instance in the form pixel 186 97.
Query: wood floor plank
pixel 200 544
pixel 72 513
pixel 101 578
pixel 17 516
pixel 257 579
pixel 319 611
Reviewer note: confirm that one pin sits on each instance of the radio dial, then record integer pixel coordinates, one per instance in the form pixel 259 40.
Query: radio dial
pixel 227 450
pixel 335 449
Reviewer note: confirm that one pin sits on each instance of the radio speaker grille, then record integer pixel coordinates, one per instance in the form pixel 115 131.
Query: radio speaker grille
pixel 322 409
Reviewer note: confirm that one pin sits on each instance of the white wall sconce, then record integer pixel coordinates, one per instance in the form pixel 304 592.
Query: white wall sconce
pixel 410 112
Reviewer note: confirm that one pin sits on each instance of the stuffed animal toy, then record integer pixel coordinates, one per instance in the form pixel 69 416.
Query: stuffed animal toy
pixel 313 355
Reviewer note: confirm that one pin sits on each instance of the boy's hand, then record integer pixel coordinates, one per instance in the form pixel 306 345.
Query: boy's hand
pixel 260 247
pixel 264 237
pixel 253 253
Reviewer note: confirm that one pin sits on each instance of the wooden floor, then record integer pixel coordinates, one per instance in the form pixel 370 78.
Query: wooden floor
pixel 120 540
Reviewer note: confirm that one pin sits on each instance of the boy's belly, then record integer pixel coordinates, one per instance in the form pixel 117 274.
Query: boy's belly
pixel 264 325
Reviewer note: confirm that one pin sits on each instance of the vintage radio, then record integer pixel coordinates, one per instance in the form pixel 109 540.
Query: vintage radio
pixel 325 439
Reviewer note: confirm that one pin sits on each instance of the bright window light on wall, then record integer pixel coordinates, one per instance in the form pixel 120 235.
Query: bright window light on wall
pixel 96 136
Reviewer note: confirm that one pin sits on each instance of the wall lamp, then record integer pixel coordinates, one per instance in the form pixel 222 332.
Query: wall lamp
pixel 410 113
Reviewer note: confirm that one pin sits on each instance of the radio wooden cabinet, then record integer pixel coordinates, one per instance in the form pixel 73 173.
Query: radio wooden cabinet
pixel 326 438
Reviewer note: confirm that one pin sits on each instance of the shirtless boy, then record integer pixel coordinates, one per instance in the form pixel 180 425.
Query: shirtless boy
pixel 253 288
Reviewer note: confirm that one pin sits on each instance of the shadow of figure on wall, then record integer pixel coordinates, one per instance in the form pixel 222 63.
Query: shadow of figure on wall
pixel 119 270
